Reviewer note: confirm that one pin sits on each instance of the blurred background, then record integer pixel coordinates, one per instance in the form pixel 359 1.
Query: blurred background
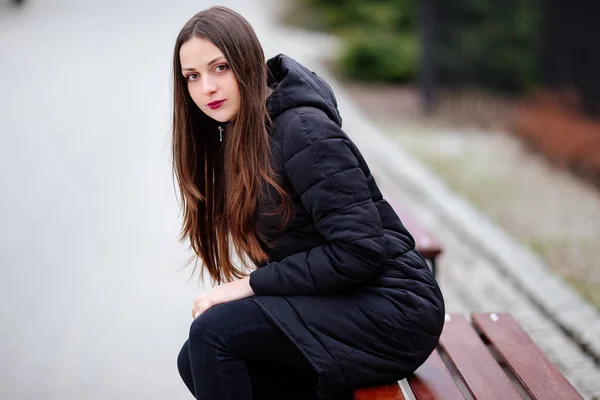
pixel 499 101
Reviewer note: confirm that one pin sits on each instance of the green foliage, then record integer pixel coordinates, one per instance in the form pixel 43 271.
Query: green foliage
pixel 380 56
pixel 388 15
pixel 381 37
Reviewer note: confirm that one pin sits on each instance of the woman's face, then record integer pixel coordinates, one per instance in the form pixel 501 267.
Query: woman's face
pixel 210 80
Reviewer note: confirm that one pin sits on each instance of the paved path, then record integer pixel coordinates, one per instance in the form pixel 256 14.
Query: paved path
pixel 93 304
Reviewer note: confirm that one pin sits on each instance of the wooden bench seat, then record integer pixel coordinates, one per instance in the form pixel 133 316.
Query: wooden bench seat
pixel 490 358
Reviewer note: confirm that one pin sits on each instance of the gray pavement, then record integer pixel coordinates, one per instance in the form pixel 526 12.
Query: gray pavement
pixel 95 306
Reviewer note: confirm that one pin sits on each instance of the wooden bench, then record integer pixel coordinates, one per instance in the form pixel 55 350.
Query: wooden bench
pixel 492 358
pixel 425 243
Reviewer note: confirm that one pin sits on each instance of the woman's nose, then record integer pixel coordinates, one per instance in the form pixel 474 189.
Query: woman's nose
pixel 208 86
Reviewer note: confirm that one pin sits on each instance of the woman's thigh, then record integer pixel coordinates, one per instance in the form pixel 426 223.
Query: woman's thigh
pixel 268 380
pixel 242 327
pixel 275 366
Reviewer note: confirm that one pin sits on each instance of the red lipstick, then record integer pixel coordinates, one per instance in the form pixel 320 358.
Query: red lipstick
pixel 215 104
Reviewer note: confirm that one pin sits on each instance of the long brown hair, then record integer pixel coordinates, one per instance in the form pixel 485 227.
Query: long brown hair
pixel 220 183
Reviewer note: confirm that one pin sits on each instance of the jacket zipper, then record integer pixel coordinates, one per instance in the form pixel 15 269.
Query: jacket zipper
pixel 220 134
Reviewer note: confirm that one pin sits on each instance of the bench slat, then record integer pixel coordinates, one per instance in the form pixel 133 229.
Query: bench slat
pixel 385 392
pixel 433 381
pixel 481 373
pixel 537 374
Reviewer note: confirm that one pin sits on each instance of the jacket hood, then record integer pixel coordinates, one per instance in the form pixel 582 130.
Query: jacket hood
pixel 294 86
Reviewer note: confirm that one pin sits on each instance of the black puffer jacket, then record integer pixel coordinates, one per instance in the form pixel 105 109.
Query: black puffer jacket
pixel 343 280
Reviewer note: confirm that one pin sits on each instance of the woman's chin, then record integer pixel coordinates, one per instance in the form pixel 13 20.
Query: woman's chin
pixel 220 116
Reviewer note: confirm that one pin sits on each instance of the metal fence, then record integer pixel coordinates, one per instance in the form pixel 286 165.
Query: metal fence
pixel 511 46
pixel 570 56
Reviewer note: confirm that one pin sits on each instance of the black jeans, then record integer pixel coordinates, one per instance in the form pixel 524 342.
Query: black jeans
pixel 235 352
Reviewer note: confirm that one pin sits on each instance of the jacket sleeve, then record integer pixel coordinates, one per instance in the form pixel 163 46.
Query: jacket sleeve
pixel 325 172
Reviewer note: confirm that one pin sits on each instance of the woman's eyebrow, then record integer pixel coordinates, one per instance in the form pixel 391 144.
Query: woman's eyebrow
pixel 215 60
pixel 209 64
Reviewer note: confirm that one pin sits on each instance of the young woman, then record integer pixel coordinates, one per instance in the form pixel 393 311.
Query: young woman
pixel 338 297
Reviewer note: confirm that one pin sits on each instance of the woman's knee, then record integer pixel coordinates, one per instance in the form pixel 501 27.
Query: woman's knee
pixel 206 327
pixel 221 320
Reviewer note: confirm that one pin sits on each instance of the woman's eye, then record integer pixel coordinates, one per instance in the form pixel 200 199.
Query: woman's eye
pixel 192 77
pixel 222 67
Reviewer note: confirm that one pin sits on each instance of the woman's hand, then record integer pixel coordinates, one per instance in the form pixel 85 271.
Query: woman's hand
pixel 235 290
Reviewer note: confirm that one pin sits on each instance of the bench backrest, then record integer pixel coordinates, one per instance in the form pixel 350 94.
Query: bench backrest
pixel 425 242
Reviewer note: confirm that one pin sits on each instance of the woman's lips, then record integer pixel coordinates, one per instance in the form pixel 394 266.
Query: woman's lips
pixel 215 104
